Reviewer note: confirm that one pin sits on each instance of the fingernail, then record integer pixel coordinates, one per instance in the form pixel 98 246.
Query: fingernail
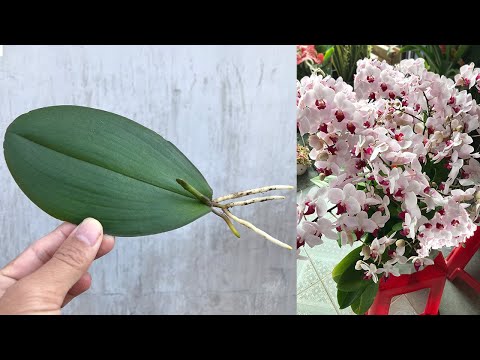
pixel 89 231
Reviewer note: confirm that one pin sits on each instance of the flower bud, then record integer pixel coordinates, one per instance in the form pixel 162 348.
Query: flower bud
pixel 418 128
pixel 477 196
pixel 457 125
pixel 322 156
pixel 366 251
pixel 400 243
pixel 358 265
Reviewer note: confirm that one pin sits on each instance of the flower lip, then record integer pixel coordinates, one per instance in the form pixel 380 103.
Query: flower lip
pixel 323 128
pixel 351 127
pixel 341 209
pixel 320 104
pixel 339 115
pixel 310 208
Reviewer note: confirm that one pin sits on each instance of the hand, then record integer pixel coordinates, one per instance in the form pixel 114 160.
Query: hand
pixel 53 270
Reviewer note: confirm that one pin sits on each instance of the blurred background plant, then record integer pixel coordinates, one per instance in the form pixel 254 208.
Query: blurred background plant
pixel 313 58
pixel 344 60
pixel 441 59
pixel 335 60
pixel 341 60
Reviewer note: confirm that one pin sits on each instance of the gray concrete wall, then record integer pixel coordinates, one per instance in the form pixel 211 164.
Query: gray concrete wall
pixel 230 109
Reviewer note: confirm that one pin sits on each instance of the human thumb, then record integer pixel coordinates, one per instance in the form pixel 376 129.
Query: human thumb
pixel 71 260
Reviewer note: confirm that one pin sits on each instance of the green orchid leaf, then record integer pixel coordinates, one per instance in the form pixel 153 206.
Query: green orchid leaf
pixel 347 298
pixel 320 183
pixel 346 263
pixel 76 162
pixel 397 227
pixel 361 305
pixel 328 54
pixel 460 51
pixel 351 279
pixel 429 215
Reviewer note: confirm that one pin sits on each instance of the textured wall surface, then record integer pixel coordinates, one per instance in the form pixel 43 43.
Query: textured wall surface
pixel 230 109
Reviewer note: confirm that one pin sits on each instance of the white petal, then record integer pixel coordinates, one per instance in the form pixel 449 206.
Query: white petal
pixel 427 261
pixel 394 271
pixel 351 221
pixel 349 190
pixel 335 196
pixel 352 205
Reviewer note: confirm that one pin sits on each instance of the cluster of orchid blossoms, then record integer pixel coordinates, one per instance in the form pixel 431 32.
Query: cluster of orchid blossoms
pixel 404 175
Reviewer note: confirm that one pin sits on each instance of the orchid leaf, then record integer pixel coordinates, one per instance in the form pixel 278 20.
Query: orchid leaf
pixel 76 162
pixel 363 302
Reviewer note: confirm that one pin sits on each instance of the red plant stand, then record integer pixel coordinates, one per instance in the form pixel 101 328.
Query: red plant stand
pixel 459 258
pixel 432 277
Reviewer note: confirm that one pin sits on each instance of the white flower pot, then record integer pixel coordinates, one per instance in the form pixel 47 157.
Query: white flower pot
pixel 301 169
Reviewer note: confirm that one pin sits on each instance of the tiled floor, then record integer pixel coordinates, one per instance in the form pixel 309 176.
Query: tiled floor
pixel 316 290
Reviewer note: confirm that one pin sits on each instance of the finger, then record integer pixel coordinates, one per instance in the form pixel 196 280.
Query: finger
pixel 85 281
pixel 71 260
pixel 38 253
pixel 107 245
pixel 80 287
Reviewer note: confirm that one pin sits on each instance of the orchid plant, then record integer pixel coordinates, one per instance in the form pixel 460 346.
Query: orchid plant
pixel 403 177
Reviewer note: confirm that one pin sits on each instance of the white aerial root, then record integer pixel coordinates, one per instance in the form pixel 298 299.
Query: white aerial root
pixel 252 201
pixel 227 216
pixel 252 191
pixel 257 230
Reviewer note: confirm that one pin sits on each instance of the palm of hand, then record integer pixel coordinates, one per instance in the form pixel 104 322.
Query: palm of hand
pixel 23 291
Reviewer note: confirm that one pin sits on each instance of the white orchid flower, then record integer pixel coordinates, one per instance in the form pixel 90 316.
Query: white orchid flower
pixel 420 262
pixel 371 270
pixel 389 268
pixel 397 256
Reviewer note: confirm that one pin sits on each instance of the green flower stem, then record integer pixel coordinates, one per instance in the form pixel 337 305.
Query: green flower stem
pixel 202 198
pixel 403 111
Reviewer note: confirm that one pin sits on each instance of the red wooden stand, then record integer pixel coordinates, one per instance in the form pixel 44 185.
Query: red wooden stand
pixel 459 258
pixel 432 277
